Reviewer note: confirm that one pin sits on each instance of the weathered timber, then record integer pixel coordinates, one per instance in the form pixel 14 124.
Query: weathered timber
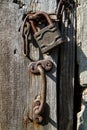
pixel 18 87
pixel 82 41
pixel 67 66
pixel 82 61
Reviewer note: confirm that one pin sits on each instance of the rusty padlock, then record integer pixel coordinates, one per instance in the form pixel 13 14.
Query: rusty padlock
pixel 48 37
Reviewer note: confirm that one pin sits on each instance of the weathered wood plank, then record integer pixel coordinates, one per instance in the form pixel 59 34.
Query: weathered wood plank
pixel 82 61
pixel 17 86
pixel 82 115
pixel 67 65
pixel 13 70
pixel 82 41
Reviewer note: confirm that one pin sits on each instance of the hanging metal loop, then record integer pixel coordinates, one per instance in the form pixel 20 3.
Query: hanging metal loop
pixel 39 102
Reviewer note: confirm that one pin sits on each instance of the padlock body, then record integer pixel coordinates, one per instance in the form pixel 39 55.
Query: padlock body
pixel 48 38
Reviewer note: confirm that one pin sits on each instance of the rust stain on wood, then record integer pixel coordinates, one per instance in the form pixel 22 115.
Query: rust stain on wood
pixel 37 126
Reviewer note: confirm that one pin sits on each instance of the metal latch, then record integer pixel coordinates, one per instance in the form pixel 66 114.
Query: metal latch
pixel 39 101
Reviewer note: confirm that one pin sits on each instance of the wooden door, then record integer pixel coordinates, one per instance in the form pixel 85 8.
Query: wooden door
pixel 17 86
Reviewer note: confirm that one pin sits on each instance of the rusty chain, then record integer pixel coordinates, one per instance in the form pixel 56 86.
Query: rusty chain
pixel 26 31
pixel 28 26
pixel 62 5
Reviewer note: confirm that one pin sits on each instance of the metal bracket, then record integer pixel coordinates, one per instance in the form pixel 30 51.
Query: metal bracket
pixel 46 65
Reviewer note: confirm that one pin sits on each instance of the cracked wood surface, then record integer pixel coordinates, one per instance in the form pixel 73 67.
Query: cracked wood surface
pixel 82 41
pixel 82 62
pixel 17 86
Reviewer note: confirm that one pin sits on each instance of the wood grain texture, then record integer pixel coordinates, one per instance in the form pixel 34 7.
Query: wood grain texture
pixel 18 87
pixel 82 41
pixel 67 65
pixel 82 61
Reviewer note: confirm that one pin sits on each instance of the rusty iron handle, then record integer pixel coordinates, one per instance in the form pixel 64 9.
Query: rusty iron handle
pixel 43 93
pixel 39 101
pixel 38 106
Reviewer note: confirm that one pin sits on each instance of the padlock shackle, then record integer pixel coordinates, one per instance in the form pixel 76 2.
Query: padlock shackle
pixel 35 16
pixel 45 15
pixel 33 26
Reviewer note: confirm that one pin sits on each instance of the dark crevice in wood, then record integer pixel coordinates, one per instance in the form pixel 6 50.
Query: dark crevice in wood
pixel 19 2
pixel 15 1
pixel 77 92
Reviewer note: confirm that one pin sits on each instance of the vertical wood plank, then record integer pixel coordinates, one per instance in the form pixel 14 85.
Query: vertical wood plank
pixel 17 86
pixel 81 41
pixel 67 65
pixel 82 61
